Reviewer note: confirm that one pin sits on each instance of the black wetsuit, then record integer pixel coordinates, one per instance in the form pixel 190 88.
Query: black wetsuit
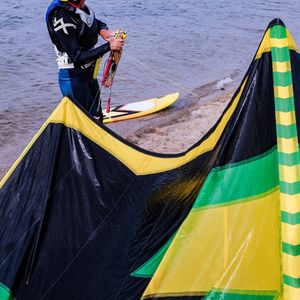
pixel 75 34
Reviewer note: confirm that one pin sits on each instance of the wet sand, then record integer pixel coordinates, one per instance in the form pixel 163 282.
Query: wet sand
pixel 173 130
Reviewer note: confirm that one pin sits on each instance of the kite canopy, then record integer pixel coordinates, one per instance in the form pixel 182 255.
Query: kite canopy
pixel 87 215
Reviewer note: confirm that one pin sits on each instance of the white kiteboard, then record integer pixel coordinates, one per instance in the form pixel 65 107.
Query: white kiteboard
pixel 138 109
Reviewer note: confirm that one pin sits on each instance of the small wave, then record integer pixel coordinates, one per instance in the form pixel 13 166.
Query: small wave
pixel 221 84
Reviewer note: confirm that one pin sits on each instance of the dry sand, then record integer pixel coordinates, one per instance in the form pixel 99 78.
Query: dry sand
pixel 171 131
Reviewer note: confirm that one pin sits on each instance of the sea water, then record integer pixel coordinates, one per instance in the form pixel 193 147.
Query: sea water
pixel 171 46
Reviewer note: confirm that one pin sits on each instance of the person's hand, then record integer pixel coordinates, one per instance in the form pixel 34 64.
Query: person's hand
pixel 106 34
pixel 116 44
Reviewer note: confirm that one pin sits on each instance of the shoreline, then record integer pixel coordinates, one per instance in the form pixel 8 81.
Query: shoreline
pixel 170 131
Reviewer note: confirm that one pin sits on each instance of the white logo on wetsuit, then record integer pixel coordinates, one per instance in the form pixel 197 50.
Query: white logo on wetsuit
pixel 62 25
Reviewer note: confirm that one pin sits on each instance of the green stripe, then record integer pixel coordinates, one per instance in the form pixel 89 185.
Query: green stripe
pixel 290 188
pixel 292 219
pixel 291 159
pixel 286 132
pixel 291 249
pixel 284 105
pixel 5 293
pixel 280 54
pixel 217 294
pixel 238 201
pixel 282 79
pixel 228 296
pixel 278 32
pixel 149 268
pixel 291 281
pixel 237 182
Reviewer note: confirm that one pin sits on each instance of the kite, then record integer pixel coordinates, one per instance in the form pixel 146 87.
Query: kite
pixel 84 214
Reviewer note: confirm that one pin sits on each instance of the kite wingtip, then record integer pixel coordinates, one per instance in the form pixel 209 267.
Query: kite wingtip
pixel 276 21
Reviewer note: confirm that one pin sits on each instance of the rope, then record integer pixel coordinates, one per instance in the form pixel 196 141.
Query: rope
pixel 144 68
pixel 133 266
pixel 161 76
pixel 91 237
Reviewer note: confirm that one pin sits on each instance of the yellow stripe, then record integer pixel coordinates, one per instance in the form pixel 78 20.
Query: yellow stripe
pixel 114 113
pixel 285 118
pixel 281 67
pixel 226 238
pixel 290 203
pixel 23 154
pixel 284 91
pixel 289 174
pixel 252 255
pixel 140 163
pixel 290 233
pixel 290 293
pixel 287 145
pixel 292 44
pixel 291 265
pixel 96 68
pixel 279 43
pixel 265 45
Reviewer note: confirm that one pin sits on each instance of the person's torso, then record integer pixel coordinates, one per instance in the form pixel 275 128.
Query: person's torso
pixel 86 27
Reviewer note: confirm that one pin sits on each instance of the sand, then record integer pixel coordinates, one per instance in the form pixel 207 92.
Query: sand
pixel 171 131
pixel 185 131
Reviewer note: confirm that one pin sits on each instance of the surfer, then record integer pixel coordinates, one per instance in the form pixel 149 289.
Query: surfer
pixel 74 31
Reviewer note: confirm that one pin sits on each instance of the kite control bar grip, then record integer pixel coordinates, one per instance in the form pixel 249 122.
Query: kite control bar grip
pixel 120 33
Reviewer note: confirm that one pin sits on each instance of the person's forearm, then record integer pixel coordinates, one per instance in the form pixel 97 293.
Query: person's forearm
pixel 70 45
pixel 106 34
pixel 83 57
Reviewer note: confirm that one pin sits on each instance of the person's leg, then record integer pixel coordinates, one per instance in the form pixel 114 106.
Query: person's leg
pixel 85 91
pixel 65 83
pixel 74 83
pixel 80 90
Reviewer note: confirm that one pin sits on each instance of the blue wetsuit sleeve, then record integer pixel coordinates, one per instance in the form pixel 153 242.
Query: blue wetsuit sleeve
pixel 66 31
